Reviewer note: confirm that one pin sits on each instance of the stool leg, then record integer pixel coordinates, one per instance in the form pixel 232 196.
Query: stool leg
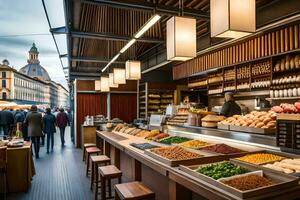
pixel 97 185
pixel 92 175
pixel 117 196
pixel 87 165
pixel 103 188
pixel 109 187
pixel 119 180
pixel 83 157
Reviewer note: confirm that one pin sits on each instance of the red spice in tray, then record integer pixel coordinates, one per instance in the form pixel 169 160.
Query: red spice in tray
pixel 223 149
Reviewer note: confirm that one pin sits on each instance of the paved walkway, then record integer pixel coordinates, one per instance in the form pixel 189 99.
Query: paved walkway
pixel 59 175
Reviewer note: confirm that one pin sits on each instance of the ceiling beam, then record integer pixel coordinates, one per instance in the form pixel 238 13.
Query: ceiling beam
pixel 149 7
pixel 95 60
pixel 105 36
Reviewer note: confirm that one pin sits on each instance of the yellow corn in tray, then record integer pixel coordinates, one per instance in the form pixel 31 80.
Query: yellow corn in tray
pixel 260 158
pixel 194 144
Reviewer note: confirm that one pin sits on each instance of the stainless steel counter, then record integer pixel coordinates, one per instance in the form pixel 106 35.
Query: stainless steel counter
pixel 266 141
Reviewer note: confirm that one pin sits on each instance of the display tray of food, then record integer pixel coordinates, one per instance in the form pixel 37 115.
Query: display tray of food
pixel 223 126
pixel 223 149
pixel 255 122
pixel 174 140
pixel 241 180
pixel 288 166
pixel 143 146
pixel 267 131
pixel 195 144
pixel 175 155
pixel 262 159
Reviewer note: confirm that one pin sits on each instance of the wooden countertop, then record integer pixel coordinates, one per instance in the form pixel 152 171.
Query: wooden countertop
pixel 122 141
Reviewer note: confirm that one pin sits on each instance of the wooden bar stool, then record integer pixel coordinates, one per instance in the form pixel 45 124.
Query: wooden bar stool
pixel 133 191
pixel 90 151
pixel 96 161
pixel 87 145
pixel 107 173
pixel 3 169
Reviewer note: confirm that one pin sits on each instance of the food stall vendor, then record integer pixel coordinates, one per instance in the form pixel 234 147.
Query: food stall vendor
pixel 230 107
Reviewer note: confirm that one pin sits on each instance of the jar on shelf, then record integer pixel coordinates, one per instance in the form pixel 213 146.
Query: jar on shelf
pixel 292 63
pixel 287 62
pixel 282 65
pixel 280 93
pixel 285 93
pixel 290 92
pixel 272 93
pixel 276 93
pixel 295 93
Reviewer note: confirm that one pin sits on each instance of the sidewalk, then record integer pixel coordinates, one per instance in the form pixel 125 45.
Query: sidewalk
pixel 59 175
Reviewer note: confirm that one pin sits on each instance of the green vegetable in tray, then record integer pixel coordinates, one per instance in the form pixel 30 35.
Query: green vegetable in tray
pixel 221 170
pixel 174 140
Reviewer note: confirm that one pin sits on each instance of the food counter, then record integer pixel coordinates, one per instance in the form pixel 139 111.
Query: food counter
pixel 20 168
pixel 175 180
pixel 266 141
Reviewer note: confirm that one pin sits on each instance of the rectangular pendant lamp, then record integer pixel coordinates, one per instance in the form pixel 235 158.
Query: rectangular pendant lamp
pixel 111 81
pixel 104 84
pixel 97 85
pixel 119 76
pixel 133 70
pixel 232 18
pixel 181 38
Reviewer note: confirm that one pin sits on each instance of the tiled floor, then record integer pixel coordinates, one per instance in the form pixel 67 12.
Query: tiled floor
pixel 59 175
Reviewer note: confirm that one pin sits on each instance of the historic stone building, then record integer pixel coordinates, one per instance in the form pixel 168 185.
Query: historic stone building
pixel 31 84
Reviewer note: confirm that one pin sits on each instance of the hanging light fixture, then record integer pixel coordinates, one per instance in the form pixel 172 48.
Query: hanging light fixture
pixel 147 26
pixel 104 84
pixel 119 76
pixel 232 18
pixel 133 70
pixel 111 81
pixel 97 85
pixel 181 38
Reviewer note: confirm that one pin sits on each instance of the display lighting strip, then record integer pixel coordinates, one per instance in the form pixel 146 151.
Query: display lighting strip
pixel 155 18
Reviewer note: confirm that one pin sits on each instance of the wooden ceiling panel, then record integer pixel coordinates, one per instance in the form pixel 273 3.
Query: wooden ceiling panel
pixel 126 22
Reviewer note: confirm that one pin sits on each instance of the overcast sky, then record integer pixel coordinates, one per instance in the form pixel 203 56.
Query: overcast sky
pixel 23 22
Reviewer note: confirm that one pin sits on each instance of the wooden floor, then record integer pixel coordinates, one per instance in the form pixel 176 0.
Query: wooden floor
pixel 59 175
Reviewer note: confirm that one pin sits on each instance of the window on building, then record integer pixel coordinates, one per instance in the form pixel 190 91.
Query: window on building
pixel 4 83
pixel 4 96
pixel 3 74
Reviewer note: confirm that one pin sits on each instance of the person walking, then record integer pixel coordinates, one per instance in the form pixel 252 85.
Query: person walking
pixel 62 121
pixel 6 121
pixel 49 123
pixel 34 123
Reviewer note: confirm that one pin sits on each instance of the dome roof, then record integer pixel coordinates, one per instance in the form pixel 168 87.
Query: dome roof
pixel 35 70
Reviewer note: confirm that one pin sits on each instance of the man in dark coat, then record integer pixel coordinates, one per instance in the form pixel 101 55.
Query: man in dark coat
pixel 230 107
pixel 49 122
pixel 34 123
pixel 6 121
pixel 62 121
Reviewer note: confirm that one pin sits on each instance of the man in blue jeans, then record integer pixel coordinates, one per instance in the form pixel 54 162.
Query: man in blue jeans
pixel 49 122
pixel 62 121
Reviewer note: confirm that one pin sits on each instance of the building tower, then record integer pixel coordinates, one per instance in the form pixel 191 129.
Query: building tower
pixel 33 68
pixel 33 55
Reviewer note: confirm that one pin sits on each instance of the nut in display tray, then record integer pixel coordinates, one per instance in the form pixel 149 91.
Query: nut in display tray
pixel 203 158
pixel 282 183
